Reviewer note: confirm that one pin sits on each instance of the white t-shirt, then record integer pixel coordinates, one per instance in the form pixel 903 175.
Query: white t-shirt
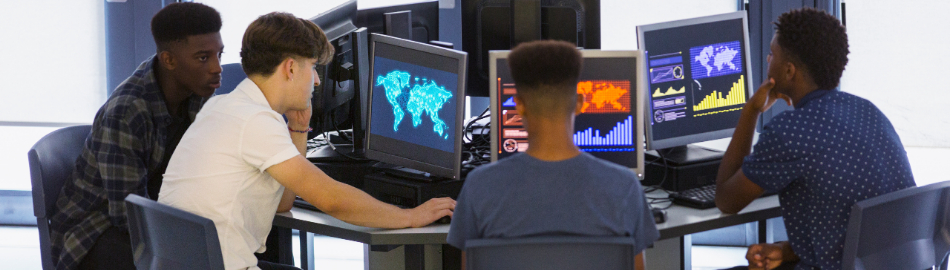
pixel 217 171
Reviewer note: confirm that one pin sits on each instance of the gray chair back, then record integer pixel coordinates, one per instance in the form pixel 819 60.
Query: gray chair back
pixel 52 161
pixel 231 76
pixel 164 237
pixel 550 252
pixel 905 229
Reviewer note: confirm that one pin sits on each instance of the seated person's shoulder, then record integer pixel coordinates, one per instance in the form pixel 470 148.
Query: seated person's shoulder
pixel 600 166
pixel 125 101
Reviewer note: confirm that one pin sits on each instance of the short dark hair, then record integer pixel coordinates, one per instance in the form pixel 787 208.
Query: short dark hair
pixel 276 36
pixel 177 21
pixel 818 41
pixel 546 73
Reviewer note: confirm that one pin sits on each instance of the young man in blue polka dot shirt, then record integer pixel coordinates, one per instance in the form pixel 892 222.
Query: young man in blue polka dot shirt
pixel 832 150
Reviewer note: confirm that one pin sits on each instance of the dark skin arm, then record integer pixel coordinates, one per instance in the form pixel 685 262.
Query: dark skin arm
pixel 734 191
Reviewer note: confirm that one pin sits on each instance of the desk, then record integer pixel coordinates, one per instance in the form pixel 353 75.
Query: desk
pixel 421 247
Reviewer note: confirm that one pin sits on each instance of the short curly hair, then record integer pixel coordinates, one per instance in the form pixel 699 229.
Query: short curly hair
pixel 546 73
pixel 276 36
pixel 817 40
pixel 177 21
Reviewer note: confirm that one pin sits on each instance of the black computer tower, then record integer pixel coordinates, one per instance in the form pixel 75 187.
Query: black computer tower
pixel 407 192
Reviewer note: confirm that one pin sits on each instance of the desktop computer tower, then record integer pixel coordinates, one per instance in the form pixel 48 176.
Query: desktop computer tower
pixel 407 192
pixel 682 171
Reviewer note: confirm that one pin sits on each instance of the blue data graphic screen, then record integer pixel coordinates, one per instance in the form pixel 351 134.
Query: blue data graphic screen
pixel 414 104
pixel 697 78
pixel 606 126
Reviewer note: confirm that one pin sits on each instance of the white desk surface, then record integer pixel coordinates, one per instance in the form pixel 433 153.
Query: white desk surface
pixel 680 221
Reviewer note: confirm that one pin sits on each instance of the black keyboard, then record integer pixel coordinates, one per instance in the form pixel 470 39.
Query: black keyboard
pixel 703 197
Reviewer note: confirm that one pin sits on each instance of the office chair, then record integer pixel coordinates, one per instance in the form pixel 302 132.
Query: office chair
pixel 231 76
pixel 905 229
pixel 52 161
pixel 164 237
pixel 550 252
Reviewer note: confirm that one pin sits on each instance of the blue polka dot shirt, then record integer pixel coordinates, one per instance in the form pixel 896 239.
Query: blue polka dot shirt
pixel 833 150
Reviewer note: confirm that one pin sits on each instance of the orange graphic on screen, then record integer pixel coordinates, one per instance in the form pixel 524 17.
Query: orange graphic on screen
pixel 605 96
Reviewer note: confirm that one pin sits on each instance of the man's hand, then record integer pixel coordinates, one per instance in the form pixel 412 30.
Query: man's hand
pixel 430 211
pixel 764 97
pixel 765 256
pixel 299 119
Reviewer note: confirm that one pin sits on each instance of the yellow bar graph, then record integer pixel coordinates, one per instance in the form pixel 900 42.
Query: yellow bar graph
pixel 736 96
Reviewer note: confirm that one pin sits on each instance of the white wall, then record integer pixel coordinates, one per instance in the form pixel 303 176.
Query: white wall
pixel 619 18
pixel 898 61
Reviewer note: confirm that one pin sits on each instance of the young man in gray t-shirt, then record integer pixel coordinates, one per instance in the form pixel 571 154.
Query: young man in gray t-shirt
pixel 553 188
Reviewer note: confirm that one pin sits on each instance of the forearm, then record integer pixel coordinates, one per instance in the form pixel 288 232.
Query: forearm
pixel 300 141
pixel 356 207
pixel 739 147
pixel 286 201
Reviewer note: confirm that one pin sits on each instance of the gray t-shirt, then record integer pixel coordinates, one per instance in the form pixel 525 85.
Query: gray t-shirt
pixel 522 196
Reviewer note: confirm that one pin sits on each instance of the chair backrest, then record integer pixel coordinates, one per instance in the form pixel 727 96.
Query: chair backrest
pixel 550 252
pixel 905 229
pixel 164 237
pixel 231 76
pixel 52 161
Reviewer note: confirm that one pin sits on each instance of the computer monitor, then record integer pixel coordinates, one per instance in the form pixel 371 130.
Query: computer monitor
pixel 416 101
pixel 424 21
pixel 338 103
pixel 610 125
pixel 698 76
pixel 487 25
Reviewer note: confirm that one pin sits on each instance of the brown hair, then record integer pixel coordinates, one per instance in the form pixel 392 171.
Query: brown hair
pixel 276 36
pixel 546 74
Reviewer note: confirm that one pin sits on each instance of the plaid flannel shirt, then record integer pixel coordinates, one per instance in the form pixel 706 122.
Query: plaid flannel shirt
pixel 127 141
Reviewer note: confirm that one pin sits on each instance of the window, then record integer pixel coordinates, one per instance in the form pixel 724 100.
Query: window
pixel 898 62
pixel 237 15
pixel 53 71
pixel 619 19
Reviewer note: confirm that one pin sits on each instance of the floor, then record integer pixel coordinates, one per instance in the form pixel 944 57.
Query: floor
pixel 19 248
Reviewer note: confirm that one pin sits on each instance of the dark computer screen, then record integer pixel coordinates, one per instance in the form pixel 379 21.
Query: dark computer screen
pixel 487 24
pixel 609 125
pixel 417 94
pixel 698 78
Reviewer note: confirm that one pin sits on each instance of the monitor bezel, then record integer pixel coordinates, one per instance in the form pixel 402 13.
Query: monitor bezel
pixel 640 88
pixel 432 169
pixel 652 144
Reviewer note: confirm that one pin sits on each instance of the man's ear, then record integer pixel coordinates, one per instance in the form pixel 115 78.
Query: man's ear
pixel 580 104
pixel 289 66
pixel 790 71
pixel 519 106
pixel 167 60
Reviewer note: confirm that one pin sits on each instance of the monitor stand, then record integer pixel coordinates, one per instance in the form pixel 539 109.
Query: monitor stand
pixel 407 173
pixel 685 167
pixel 328 154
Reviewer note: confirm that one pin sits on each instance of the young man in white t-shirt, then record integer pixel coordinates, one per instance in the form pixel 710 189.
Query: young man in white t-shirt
pixel 233 164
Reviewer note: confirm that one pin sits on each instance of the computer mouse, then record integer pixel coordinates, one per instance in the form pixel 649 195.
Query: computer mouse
pixel 659 215
pixel 444 220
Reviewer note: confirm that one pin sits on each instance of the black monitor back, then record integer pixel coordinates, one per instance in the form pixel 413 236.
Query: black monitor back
pixel 486 26
pixel 425 19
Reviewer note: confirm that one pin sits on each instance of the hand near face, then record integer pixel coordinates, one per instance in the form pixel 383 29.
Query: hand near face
pixel 764 256
pixel 299 119
pixel 764 97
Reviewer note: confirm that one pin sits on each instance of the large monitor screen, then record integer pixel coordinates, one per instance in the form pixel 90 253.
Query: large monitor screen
pixel 416 101
pixel 609 125
pixel 698 77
